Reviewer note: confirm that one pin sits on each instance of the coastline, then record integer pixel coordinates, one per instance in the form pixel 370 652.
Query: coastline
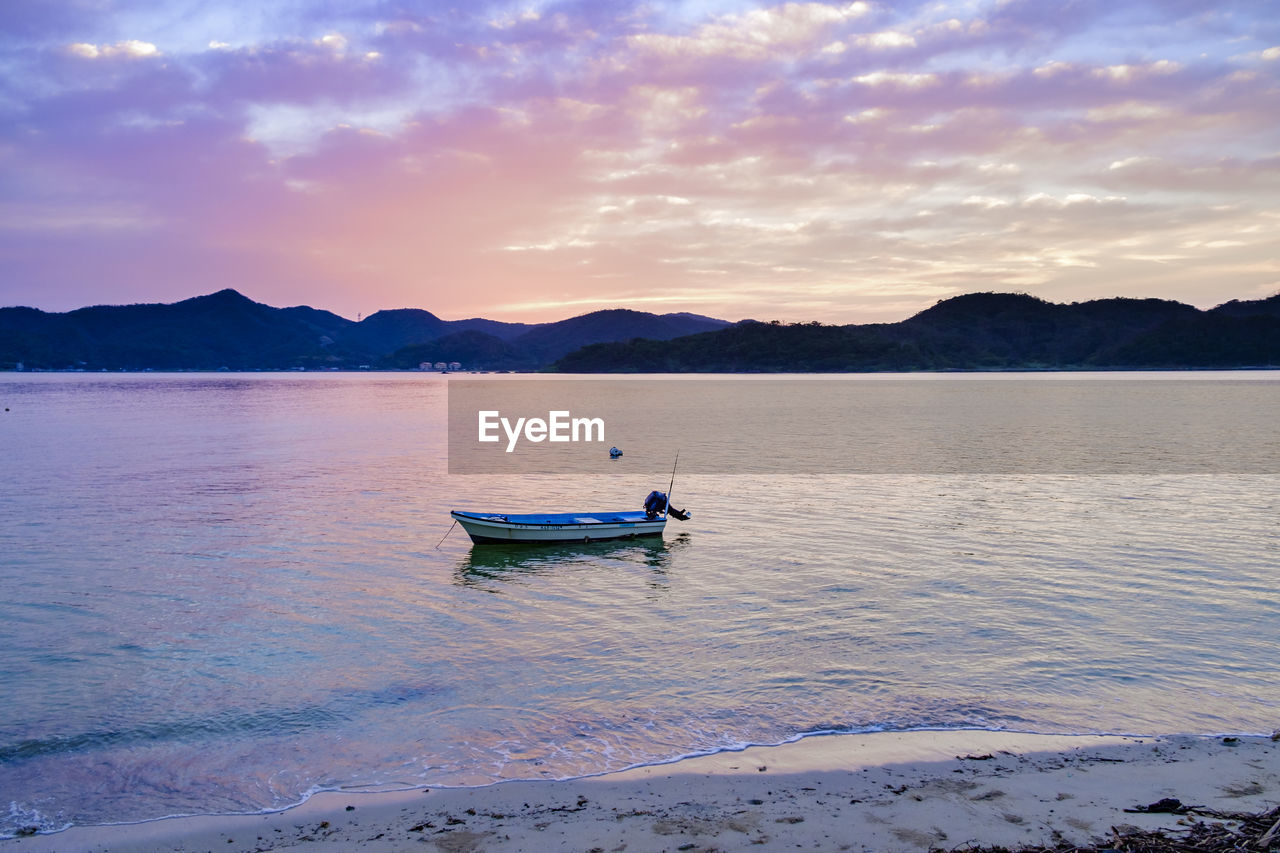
pixel 890 791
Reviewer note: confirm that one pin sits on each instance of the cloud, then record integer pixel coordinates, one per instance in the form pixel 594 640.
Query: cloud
pixel 1240 177
pixel 835 156
pixel 131 49
pixel 298 72
pixel 773 33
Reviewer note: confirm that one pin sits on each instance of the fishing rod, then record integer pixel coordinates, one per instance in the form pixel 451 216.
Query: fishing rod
pixel 671 487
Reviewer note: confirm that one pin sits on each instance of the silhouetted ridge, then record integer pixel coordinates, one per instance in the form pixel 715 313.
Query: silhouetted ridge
pixel 1265 307
pixel 227 329
pixel 385 331
pixel 552 340
pixel 976 331
pixel 225 297
pixel 985 307
pixel 469 347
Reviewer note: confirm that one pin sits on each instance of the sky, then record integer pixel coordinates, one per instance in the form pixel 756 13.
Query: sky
pixel 535 160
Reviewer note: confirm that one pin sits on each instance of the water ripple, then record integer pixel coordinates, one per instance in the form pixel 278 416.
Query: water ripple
pixel 226 595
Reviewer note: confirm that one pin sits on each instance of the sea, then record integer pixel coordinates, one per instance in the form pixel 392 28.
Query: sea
pixel 224 593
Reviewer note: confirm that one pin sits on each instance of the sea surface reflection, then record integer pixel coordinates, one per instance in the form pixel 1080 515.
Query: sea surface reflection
pixel 225 593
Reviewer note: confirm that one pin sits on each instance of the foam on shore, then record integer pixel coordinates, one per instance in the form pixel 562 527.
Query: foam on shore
pixel 891 791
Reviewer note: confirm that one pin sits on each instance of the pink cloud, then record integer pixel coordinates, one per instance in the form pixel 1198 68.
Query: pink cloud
pixel 820 158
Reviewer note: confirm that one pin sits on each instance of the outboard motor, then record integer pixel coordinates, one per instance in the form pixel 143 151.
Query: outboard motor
pixel 656 503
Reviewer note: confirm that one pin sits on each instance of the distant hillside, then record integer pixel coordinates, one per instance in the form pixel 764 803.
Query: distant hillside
pixel 549 342
pixel 538 346
pixel 227 329
pixel 978 331
pixel 223 329
pixel 469 348
pixel 387 331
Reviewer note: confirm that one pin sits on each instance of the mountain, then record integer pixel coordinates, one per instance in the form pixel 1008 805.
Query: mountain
pixel 553 340
pixel 976 331
pixel 470 347
pixel 1269 307
pixel 387 331
pixel 1005 329
pixel 223 329
pixel 390 330
pixel 227 329
pixel 507 348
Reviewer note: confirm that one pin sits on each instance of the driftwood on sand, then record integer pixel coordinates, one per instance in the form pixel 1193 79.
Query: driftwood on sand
pixel 1222 831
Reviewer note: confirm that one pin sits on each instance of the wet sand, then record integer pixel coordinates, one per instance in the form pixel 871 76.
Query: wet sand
pixel 888 792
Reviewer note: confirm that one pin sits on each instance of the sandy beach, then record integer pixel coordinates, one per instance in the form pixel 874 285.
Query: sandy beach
pixel 907 791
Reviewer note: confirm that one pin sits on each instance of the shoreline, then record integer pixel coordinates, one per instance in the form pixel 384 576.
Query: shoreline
pixel 886 791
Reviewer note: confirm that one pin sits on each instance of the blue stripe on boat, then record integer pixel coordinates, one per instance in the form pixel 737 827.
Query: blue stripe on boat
pixel 573 518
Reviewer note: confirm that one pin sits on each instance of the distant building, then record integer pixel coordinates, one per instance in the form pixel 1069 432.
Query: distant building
pixel 440 365
pixel 455 365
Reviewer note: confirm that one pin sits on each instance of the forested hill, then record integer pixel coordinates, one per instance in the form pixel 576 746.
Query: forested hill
pixel 978 331
pixel 973 332
pixel 228 330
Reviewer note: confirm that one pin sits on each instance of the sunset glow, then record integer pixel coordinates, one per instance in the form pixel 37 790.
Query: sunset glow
pixel 833 161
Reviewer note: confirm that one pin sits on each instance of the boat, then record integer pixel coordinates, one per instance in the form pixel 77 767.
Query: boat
pixel 489 527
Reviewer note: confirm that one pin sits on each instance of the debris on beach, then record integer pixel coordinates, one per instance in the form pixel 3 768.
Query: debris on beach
pixel 1225 831
pixel 1169 805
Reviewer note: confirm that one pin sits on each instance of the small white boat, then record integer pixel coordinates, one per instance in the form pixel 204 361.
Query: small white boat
pixel 489 527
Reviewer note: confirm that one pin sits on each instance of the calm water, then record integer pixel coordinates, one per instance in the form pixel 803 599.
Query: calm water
pixel 222 593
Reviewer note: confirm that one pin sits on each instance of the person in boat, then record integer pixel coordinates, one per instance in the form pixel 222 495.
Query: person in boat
pixel 655 504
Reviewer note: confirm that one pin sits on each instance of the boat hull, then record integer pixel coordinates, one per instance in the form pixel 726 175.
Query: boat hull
pixel 493 528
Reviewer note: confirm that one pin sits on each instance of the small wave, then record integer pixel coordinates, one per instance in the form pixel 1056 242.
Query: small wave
pixel 273 721
pixel 276 722
pixel 27 820
pixel 842 730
